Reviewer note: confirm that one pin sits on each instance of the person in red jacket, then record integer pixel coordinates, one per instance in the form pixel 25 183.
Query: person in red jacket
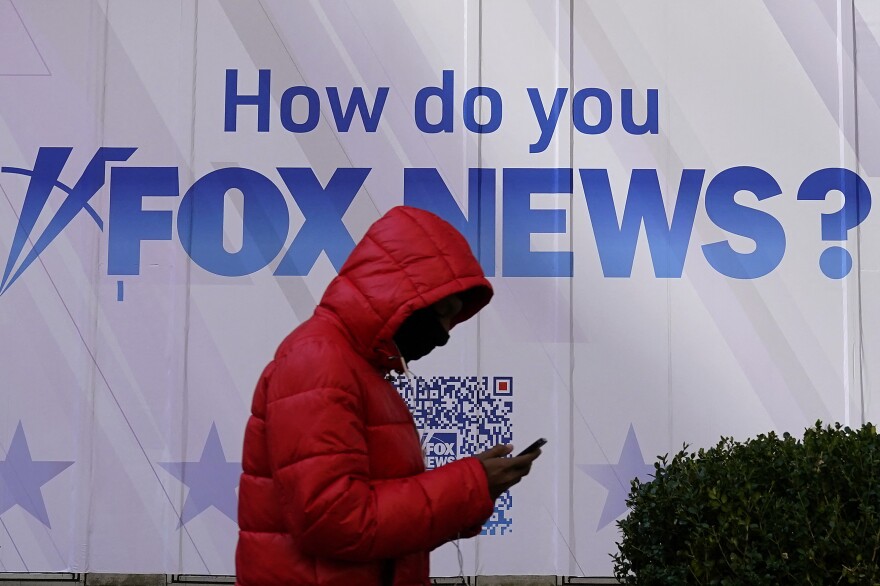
pixel 334 490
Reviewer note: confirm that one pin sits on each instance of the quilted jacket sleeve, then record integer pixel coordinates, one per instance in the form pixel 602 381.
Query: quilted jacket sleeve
pixel 317 447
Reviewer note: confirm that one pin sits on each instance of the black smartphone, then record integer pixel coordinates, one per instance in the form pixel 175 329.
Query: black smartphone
pixel 535 446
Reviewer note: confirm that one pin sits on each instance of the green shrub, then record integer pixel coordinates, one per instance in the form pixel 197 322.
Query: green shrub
pixel 770 510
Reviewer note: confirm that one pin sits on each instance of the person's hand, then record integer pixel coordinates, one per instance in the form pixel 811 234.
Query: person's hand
pixel 503 472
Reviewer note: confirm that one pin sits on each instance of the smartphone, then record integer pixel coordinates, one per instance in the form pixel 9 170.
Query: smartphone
pixel 535 446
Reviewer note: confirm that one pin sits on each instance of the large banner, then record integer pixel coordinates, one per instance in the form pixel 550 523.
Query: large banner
pixel 672 201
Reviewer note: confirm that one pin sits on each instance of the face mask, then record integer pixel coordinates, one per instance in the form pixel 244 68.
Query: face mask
pixel 420 333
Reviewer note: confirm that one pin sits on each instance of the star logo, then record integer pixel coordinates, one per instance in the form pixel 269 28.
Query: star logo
pixel 212 481
pixel 22 478
pixel 616 478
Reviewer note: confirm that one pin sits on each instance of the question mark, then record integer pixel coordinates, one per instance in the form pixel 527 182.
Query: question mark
pixel 836 262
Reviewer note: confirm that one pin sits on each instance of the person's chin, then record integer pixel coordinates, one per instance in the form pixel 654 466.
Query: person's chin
pixel 419 354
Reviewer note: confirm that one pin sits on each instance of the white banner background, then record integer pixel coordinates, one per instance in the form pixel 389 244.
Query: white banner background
pixel 104 399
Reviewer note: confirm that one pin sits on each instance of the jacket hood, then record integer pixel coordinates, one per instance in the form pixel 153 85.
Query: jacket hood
pixel 407 260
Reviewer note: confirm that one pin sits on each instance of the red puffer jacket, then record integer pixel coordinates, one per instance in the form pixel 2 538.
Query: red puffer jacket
pixel 334 490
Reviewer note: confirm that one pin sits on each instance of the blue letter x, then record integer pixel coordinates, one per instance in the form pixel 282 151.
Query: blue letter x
pixel 323 209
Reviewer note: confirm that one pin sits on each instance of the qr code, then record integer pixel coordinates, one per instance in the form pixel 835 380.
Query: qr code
pixel 460 416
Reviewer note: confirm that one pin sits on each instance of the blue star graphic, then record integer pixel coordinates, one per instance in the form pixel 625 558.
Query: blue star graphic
pixel 21 478
pixel 616 478
pixel 212 480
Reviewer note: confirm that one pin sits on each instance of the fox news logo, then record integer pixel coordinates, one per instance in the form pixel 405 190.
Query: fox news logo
pixel 268 207
pixel 440 447
pixel 200 214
